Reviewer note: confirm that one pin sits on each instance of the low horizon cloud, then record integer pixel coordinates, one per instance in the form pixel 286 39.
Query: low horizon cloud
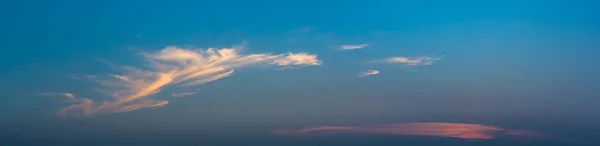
pixel 172 66
pixel 353 47
pixel 367 73
pixel 454 130
pixel 410 61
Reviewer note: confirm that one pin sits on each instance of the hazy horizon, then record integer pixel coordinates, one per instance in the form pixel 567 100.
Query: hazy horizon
pixel 269 72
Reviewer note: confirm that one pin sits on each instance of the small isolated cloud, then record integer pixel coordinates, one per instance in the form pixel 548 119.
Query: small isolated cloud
pixel 367 73
pixel 184 94
pixel 353 47
pixel 133 87
pixel 455 130
pixel 410 61
pixel 66 95
pixel 296 59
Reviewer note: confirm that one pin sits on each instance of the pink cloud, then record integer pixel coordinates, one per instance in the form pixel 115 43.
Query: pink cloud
pixel 133 88
pixel 456 130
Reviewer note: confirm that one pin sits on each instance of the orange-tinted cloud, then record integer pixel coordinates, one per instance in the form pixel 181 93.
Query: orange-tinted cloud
pixel 456 130
pixel 133 87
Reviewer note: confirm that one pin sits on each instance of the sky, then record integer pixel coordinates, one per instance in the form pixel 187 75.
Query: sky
pixel 309 72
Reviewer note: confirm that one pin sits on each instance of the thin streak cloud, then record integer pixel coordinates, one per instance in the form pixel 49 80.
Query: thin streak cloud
pixel 133 87
pixel 410 61
pixel 455 130
pixel 66 95
pixel 367 73
pixel 184 94
pixel 353 47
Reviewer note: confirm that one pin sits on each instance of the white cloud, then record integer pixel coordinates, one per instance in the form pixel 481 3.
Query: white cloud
pixel 352 47
pixel 184 94
pixel 174 66
pixel 67 95
pixel 410 61
pixel 367 73
pixel 298 59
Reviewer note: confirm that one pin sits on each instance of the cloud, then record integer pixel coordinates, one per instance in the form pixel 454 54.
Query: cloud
pixel 455 130
pixel 299 59
pixel 410 61
pixel 367 73
pixel 133 87
pixel 352 47
pixel 67 95
pixel 82 104
pixel 184 94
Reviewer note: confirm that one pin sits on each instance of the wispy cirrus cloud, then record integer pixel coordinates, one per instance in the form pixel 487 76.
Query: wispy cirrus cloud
pixel 455 130
pixel 352 47
pixel 133 87
pixel 183 94
pixel 410 61
pixel 367 73
pixel 67 95
pixel 83 105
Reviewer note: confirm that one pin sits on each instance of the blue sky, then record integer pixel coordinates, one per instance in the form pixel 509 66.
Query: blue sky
pixel 491 60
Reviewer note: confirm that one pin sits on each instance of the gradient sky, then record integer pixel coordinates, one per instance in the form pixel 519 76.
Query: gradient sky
pixel 512 63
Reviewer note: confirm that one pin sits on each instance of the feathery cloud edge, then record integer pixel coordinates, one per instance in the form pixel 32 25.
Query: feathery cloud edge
pixel 132 89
